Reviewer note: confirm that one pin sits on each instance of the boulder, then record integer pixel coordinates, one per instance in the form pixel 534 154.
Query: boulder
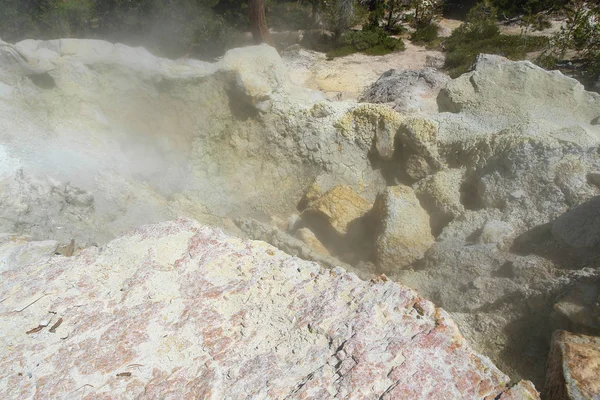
pixel 408 91
pixel 487 61
pixel 440 196
pixel 186 311
pixel 418 138
pixel 338 208
pixel 573 367
pixel 370 123
pixel 404 232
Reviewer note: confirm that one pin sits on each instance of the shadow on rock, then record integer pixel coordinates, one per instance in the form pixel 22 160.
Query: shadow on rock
pixel 572 241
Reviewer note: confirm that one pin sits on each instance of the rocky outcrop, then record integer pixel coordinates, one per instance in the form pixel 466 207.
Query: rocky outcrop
pixel 98 138
pixel 408 91
pixel 440 195
pixel 149 138
pixel 404 233
pixel 573 367
pixel 182 310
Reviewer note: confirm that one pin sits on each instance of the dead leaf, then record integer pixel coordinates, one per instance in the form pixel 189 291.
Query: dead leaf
pixel 35 330
pixel 56 325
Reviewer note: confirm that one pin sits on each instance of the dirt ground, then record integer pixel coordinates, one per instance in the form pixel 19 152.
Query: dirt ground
pixel 345 78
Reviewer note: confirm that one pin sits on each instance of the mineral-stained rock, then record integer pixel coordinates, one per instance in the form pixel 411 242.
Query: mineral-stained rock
pixel 440 196
pixel 339 207
pixel 418 137
pixel 573 367
pixel 183 311
pixel 139 133
pixel 309 238
pixel 409 90
pixel 404 232
pixel 17 251
pixel 524 390
pixel 371 122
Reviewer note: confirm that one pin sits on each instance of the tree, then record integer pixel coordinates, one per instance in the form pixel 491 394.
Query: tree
pixel 258 22
pixel 581 32
pixel 340 15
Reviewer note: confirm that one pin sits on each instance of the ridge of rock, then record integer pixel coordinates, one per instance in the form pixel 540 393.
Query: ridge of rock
pixel 180 309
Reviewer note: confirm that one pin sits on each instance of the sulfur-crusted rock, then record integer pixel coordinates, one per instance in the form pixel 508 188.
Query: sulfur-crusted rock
pixel 573 367
pixel 339 208
pixel 498 232
pixel 518 91
pixel 440 196
pixel 150 138
pixel 404 232
pixel 311 240
pixel 370 123
pixel 257 75
pixel 180 310
pixel 418 137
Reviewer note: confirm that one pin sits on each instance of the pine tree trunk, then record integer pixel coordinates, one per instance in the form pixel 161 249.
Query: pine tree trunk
pixel 258 22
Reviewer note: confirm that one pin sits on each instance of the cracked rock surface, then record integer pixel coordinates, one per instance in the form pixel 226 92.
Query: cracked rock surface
pixel 181 310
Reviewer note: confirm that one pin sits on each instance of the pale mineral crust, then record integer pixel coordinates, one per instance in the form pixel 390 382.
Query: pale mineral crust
pixel 177 310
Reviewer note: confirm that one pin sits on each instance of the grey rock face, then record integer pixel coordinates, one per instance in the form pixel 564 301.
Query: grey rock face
pixel 407 91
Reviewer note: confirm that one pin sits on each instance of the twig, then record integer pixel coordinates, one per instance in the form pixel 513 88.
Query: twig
pixel 33 302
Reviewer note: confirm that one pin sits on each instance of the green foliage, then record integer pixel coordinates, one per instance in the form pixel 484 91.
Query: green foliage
pixel 319 41
pixel 341 52
pixel 580 32
pixel 290 16
pixel 509 8
pixel 389 45
pixel 370 41
pixel 340 15
pixel 364 39
pixel 426 34
pixel 479 34
pixel 166 27
pixel 425 11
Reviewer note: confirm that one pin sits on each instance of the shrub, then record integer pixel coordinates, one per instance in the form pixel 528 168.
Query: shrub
pixel 480 34
pixel 425 34
pixel 365 39
pixel 389 45
pixel 370 41
pixel 581 32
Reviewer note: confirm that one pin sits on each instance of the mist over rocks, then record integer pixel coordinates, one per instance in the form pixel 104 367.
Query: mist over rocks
pixel 99 138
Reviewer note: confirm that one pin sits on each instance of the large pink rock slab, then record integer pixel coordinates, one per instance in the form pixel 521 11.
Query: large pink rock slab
pixel 181 311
